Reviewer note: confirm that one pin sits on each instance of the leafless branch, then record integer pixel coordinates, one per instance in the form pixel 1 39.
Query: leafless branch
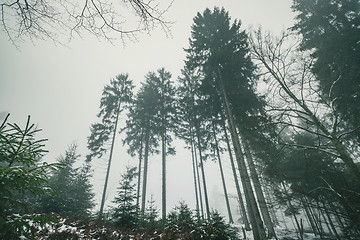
pixel 41 19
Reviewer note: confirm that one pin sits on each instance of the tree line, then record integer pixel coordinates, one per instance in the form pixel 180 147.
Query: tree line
pixel 285 107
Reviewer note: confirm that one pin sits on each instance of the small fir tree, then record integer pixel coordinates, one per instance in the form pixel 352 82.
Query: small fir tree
pixel 125 213
pixel 74 197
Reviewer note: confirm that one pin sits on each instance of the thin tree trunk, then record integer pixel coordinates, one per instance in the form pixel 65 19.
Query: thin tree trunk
pixel 240 198
pixel 163 151
pixel 194 174
pixel 258 190
pixel 222 176
pixel 300 230
pixel 198 181
pixel 146 158
pixel 321 213
pixel 259 231
pixel 284 220
pixel 272 210
pixel 316 221
pixel 309 216
pixel 331 222
pixel 139 173
pixel 109 162
pixel 203 172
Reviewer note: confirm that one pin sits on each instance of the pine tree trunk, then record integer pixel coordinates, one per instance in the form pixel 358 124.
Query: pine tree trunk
pixel 272 211
pixel 203 172
pixel 240 198
pixel 198 181
pixel 309 216
pixel 258 190
pixel 316 220
pixel 259 229
pixel 331 222
pixel 299 228
pixel 146 158
pixel 222 176
pixel 194 174
pixel 163 151
pixel 109 162
pixel 139 173
pixel 324 218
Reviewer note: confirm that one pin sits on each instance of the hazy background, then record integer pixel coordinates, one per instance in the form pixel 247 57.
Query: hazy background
pixel 60 87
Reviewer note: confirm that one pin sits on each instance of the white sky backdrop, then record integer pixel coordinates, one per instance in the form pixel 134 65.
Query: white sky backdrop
pixel 60 87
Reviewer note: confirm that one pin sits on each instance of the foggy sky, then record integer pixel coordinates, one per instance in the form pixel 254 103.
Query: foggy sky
pixel 60 87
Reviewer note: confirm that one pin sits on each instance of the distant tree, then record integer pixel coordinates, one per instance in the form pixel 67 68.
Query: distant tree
pixel 125 213
pixel 23 20
pixel 149 219
pixel 182 224
pixel 74 194
pixel 118 92
pixel 190 127
pixel 141 132
pixel 180 220
pixel 22 174
pixel 162 84
pixel 151 121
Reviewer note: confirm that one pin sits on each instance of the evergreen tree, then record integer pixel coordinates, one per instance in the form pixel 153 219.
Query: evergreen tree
pixel 191 117
pixel 219 49
pixel 74 196
pixel 125 213
pixel 149 219
pixel 23 178
pixel 141 131
pixel 330 29
pixel 118 92
pixel 151 121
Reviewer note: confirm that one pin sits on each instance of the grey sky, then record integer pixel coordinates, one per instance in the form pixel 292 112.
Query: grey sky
pixel 60 87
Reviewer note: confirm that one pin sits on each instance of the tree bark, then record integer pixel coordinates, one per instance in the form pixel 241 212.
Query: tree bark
pixel 331 222
pixel 203 172
pixel 222 176
pixel 146 158
pixel 198 181
pixel 139 172
pixel 109 162
pixel 300 230
pixel 309 216
pixel 195 181
pixel 163 151
pixel 259 231
pixel 240 198
pixel 258 190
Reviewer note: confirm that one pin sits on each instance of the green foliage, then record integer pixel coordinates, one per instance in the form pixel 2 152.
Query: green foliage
pixel 330 29
pixel 149 219
pixel 22 177
pixel 180 219
pixel 183 224
pixel 219 50
pixel 74 197
pixel 153 112
pixel 117 93
pixel 125 213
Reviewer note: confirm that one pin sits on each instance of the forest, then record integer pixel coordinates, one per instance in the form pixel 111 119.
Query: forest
pixel 283 110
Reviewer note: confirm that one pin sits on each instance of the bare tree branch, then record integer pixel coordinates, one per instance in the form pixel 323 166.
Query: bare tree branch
pixel 41 19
